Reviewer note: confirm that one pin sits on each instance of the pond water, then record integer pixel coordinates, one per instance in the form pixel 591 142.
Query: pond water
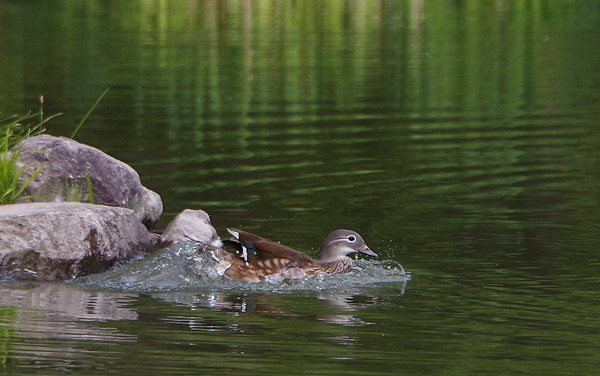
pixel 461 140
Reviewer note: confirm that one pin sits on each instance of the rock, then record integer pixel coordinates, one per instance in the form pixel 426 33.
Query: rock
pixel 191 225
pixel 194 225
pixel 57 241
pixel 65 166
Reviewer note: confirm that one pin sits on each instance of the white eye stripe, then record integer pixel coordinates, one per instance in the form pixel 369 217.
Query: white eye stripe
pixel 344 239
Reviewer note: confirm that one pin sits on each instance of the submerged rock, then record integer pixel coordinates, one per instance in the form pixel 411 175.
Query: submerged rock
pixel 57 241
pixel 65 165
pixel 191 225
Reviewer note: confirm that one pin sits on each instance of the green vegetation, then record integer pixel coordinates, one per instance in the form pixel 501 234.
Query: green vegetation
pixel 88 113
pixel 76 189
pixel 14 129
pixel 89 186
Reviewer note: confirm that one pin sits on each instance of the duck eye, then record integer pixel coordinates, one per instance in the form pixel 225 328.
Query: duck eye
pixel 351 238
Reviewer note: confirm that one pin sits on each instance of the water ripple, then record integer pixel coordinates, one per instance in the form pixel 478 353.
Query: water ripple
pixel 186 266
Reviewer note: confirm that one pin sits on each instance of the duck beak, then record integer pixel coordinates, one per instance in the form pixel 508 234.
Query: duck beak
pixel 364 249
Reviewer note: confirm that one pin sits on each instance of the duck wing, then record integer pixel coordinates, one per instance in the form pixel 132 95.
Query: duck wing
pixel 267 249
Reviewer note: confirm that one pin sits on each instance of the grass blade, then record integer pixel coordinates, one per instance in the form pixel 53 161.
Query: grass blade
pixel 89 113
pixel 89 184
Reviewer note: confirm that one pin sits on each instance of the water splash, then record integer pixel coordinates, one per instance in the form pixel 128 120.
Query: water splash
pixel 187 266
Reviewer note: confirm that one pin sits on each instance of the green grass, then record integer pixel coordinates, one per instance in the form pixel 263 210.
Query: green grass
pixel 89 185
pixel 88 113
pixel 14 129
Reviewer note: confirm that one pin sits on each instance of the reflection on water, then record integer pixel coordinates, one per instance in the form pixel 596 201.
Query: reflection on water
pixel 41 325
pixel 59 327
pixel 265 305
pixel 68 302
pixel 76 325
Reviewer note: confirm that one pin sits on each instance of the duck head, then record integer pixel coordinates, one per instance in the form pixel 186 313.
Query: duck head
pixel 341 243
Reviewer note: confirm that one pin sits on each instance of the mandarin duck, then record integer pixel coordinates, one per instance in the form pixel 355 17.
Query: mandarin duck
pixel 275 260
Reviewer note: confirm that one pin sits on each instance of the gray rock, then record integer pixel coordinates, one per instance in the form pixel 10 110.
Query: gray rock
pixel 57 241
pixel 191 225
pixel 65 165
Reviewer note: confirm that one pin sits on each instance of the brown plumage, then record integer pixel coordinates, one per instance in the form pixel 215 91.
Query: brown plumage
pixel 280 261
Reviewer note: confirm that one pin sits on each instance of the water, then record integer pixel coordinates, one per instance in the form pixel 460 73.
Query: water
pixel 187 266
pixel 460 140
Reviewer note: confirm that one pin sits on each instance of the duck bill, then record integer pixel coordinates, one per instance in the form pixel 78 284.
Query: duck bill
pixel 367 251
